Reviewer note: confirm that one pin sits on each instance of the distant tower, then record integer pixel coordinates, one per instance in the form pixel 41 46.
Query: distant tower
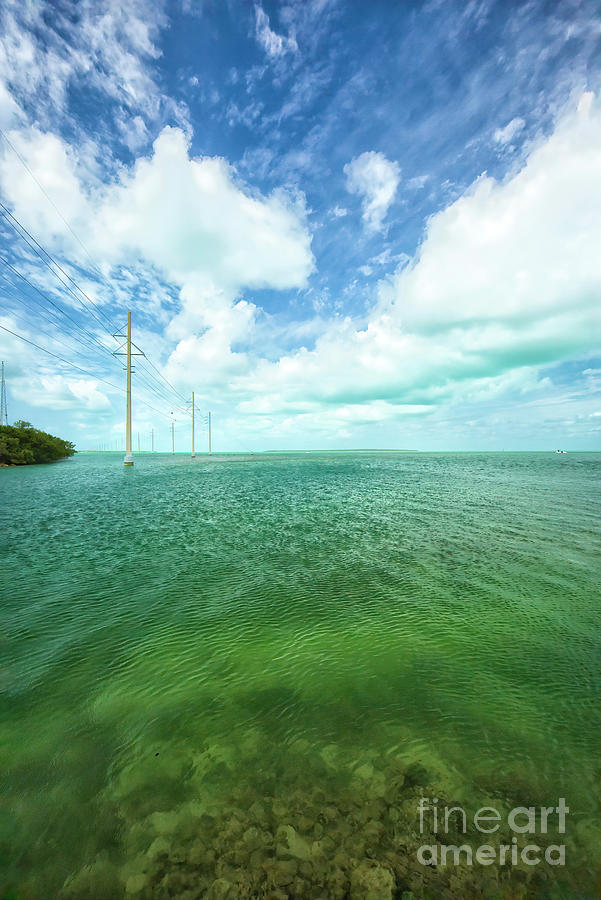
pixel 3 409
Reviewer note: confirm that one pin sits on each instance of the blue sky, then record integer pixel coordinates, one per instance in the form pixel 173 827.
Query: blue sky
pixel 341 224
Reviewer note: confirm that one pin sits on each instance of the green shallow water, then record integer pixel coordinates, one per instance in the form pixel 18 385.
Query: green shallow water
pixel 235 677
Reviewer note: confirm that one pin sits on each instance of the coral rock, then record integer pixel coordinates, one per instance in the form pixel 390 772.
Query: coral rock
pixel 291 845
pixel 371 883
pixel 222 890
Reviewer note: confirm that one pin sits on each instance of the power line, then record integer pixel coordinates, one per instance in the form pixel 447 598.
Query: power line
pixel 55 321
pixel 56 356
pixel 79 368
pixel 55 305
pixel 49 199
pixel 150 363
pixel 37 248
pixel 160 394
pixel 78 325
pixel 46 314
pixel 33 243
pixel 13 222
pixel 52 337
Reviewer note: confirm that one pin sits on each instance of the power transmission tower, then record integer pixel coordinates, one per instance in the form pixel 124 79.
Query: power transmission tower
pixel 3 407
pixel 128 459
pixel 209 432
pixel 172 436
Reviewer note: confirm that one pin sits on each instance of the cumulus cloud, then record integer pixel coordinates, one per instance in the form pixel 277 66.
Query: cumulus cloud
pixel 210 354
pixel 517 252
pixel 56 168
pixel 189 217
pixel 191 221
pixel 375 179
pixel 274 44
pixel 506 280
pixel 213 237
pixel 63 392
pixel 30 379
pixel 205 223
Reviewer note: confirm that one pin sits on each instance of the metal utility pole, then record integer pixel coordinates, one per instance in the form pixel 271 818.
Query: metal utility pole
pixel 3 407
pixel 128 459
pixel 172 437
pixel 138 441
pixel 209 432
pixel 193 453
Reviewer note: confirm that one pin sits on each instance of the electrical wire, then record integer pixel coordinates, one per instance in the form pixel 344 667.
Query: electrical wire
pixel 79 368
pixel 55 305
pixel 41 252
pixel 33 243
pixel 50 200
pixel 163 396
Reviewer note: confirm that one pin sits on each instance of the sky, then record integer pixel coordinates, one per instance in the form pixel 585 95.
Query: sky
pixel 341 224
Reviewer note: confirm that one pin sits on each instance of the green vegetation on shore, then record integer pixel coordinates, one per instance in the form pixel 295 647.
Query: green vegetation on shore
pixel 21 444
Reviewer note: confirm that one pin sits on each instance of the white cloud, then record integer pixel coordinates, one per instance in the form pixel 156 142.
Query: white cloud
pixel 32 380
pixel 520 251
pixel 207 233
pixel 210 355
pixel 507 279
pixel 375 179
pixel 63 392
pixel 418 182
pixel 109 46
pixel 338 212
pixel 507 134
pixel 188 217
pixel 387 258
pixel 189 221
pixel 213 237
pixel 10 111
pixel 56 168
pixel 191 217
pixel 133 130
pixel 274 44
pixel 18 356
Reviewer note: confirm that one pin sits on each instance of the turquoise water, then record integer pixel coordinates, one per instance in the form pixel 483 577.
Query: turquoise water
pixel 235 677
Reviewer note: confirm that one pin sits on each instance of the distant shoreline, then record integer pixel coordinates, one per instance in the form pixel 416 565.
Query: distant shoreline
pixel 204 455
